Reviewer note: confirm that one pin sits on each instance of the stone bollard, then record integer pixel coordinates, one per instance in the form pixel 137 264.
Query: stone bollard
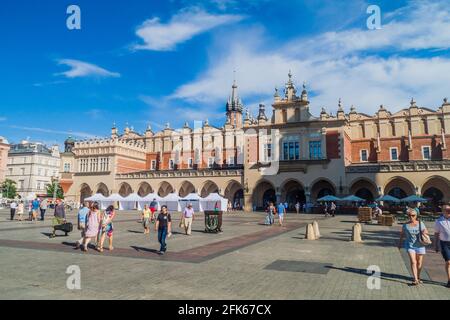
pixel 356 233
pixel 310 235
pixel 316 229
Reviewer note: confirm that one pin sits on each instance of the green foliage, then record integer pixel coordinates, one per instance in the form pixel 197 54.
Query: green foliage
pixel 51 191
pixel 9 189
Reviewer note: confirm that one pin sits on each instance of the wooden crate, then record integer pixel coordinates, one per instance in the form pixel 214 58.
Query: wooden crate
pixel 365 214
pixel 387 220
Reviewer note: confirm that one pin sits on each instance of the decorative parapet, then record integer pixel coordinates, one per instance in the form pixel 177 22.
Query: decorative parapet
pixel 412 166
pixel 180 174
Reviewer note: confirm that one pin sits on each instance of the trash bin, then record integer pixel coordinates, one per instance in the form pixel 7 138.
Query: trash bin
pixel 213 221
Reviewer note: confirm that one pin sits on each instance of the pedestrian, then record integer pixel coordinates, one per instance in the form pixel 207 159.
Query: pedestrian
pixel 13 207
pixel 153 209
pixel 60 213
pixel 286 207
pixel 20 210
pixel 297 207
pixel 325 209
pixel 281 212
pixel 43 206
pixel 442 239
pixel 93 220
pixel 82 215
pixel 187 219
pixel 35 209
pixel 416 250
pixel 333 209
pixel 30 210
pixel 107 228
pixel 146 216
pixel 164 227
pixel 271 211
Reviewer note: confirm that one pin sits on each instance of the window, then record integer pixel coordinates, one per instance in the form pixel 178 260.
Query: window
pixel 22 171
pixel 267 152
pixel 21 183
pixel 190 163
pixel 364 157
pixel 426 153
pixel 153 165
pixel 230 161
pixel 315 150
pixel 291 150
pixel 171 164
pixel 39 172
pixel 394 154
pixel 210 162
pixel 66 167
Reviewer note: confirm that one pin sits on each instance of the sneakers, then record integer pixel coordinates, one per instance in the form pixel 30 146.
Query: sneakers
pixel 448 285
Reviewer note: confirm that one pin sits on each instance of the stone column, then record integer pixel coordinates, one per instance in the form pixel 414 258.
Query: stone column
pixel 248 202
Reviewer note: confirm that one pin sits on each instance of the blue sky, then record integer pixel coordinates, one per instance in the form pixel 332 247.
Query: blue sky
pixel 153 62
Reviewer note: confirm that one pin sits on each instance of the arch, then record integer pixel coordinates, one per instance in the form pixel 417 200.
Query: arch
pixel 321 188
pixel 102 189
pixel 186 188
pixel 208 188
pixel 263 193
pixel 125 190
pixel 85 192
pixel 399 187
pixel 165 189
pixel 364 188
pixel 144 189
pixel 292 191
pixel 234 192
pixel 437 189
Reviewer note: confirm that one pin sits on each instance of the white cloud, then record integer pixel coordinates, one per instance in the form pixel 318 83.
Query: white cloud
pixel 83 69
pixel 349 64
pixel 59 132
pixel 3 118
pixel 182 27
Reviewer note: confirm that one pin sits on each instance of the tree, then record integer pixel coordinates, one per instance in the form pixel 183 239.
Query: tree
pixel 8 189
pixel 51 190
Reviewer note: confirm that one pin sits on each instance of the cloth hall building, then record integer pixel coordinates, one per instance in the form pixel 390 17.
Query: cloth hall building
pixel 292 156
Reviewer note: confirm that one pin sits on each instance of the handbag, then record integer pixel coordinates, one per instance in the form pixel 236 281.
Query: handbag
pixel 423 238
pixel 182 224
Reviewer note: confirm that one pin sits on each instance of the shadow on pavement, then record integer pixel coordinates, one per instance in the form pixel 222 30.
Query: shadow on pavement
pixel 384 276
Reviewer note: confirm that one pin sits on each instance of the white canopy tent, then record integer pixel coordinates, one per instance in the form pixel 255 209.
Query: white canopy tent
pixel 101 199
pixel 148 199
pixel 130 202
pixel 112 199
pixel 172 202
pixel 194 199
pixel 209 203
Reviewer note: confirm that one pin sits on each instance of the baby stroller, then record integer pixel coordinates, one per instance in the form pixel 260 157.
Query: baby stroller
pixel 61 225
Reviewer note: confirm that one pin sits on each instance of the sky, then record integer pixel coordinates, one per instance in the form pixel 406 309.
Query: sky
pixel 141 63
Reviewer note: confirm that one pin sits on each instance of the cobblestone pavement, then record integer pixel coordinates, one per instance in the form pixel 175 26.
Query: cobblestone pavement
pixel 247 261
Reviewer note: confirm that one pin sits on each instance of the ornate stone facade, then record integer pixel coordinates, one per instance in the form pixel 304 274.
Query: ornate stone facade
pixel 293 156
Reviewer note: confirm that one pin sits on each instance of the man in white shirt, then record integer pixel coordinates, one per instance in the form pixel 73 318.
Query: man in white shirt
pixel 442 239
pixel 13 208
pixel 188 217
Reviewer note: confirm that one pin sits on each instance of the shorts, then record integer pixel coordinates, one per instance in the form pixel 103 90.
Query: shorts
pixel 153 210
pixel 146 223
pixel 420 250
pixel 445 249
